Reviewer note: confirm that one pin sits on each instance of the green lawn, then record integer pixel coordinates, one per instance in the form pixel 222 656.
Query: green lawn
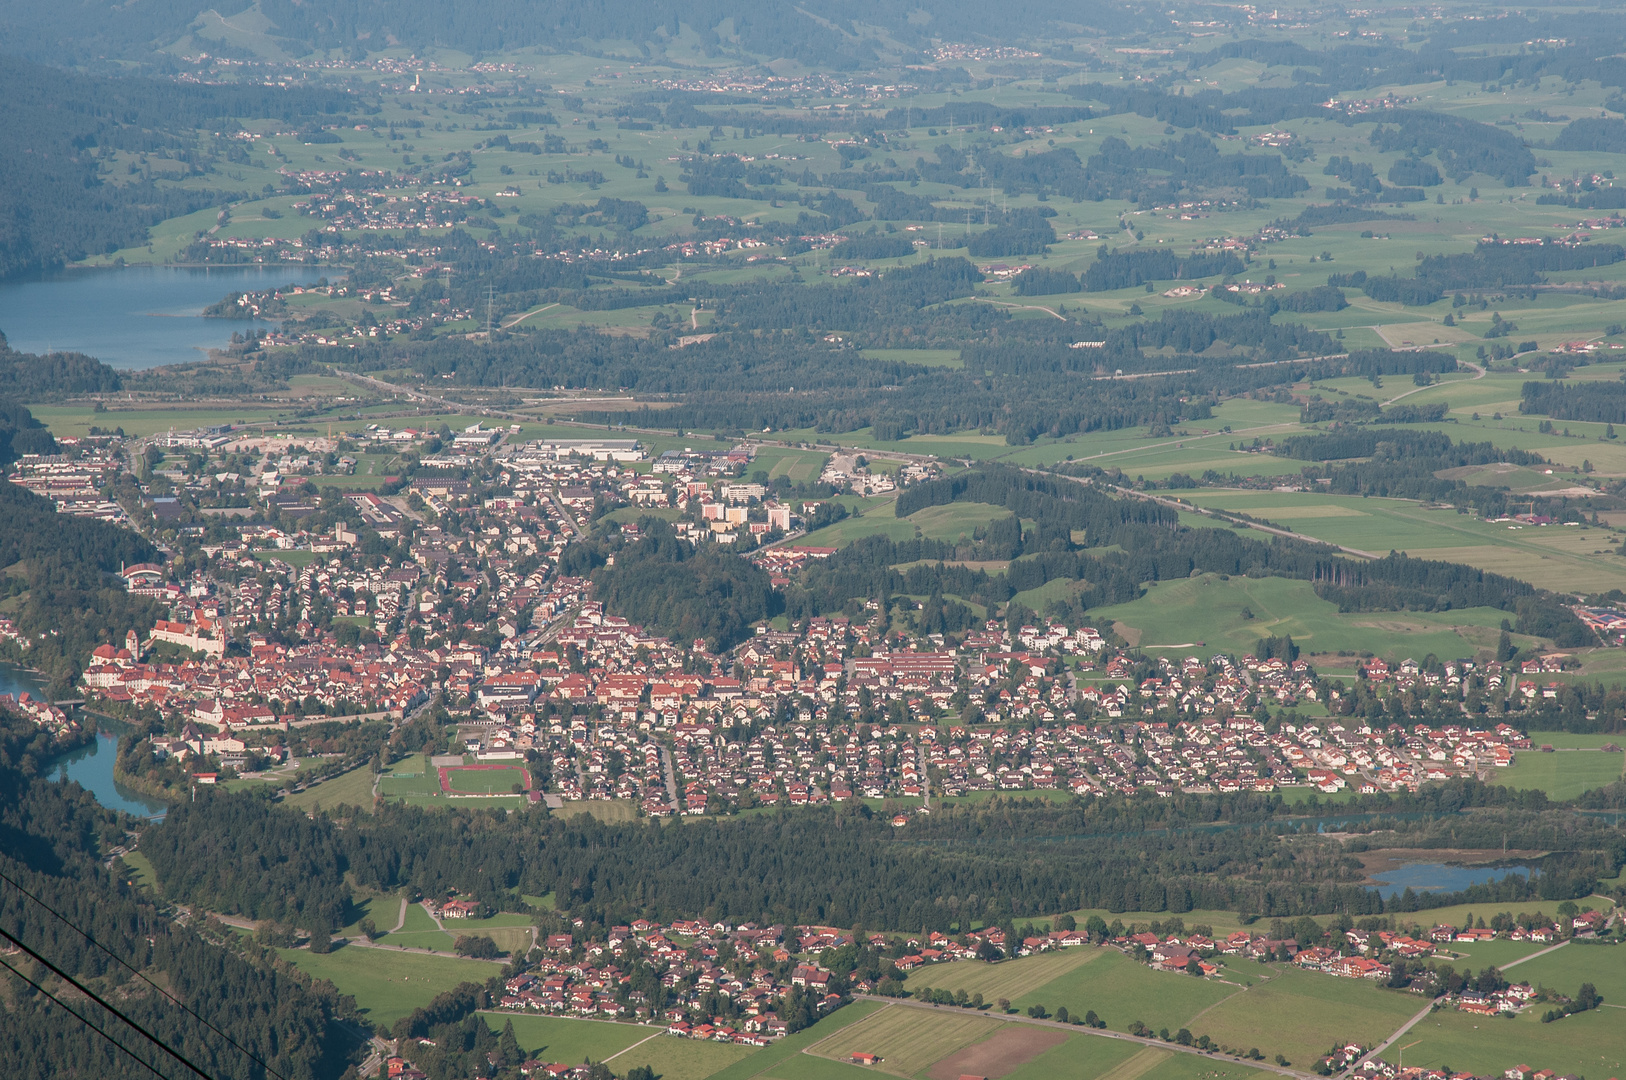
pixel 386 984
pixel 141 872
pixel 682 1059
pixel 1303 1014
pixel 569 1041
pixel 1562 774
pixel 417 932
pixel 79 419
pixel 808 1067
pixel 353 788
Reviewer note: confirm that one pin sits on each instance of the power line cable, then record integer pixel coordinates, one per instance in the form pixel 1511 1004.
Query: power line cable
pixel 85 1021
pixel 103 1002
pixel 120 960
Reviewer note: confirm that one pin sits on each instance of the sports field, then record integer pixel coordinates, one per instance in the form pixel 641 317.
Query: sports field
pixel 482 779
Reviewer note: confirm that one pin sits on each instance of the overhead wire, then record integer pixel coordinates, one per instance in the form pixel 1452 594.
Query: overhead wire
pixel 138 974
pixel 104 1003
pixel 85 1021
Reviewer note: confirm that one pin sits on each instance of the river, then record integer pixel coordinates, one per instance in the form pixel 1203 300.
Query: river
pixel 90 766
pixel 136 316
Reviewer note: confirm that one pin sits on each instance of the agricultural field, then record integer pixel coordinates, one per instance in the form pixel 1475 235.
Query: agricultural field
pixel 1555 557
pixel 1207 614
pixel 1089 1057
pixel 908 1040
pixel 386 984
pixel 1009 980
pixel 1302 1015
pixel 1604 966
pixel 772 1060
pixel 1122 991
pixel 1563 774
pixel 1585 1045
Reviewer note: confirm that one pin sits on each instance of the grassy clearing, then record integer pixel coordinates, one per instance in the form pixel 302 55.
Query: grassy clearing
pixel 950 522
pixel 923 357
pixel 1563 774
pixel 388 985
pixel 561 1039
pixel 608 811
pixel 1122 991
pixel 907 1039
pixel 141 871
pixel 1302 1014
pixel 1586 1045
pixel 1011 979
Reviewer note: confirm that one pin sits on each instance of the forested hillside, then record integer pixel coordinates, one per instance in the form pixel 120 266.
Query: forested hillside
pixel 55 840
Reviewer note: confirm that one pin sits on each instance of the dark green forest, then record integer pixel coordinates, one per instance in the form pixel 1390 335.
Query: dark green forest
pixel 845 866
pixel 54 840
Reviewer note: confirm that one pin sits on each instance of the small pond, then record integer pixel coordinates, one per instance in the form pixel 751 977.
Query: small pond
pixel 1441 877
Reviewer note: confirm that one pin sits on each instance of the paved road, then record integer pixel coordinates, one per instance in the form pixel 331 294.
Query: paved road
pixel 671 777
pixel 1377 1051
pixel 1210 512
pixel 1100 1033
pixel 1479 373
pixel 1532 956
